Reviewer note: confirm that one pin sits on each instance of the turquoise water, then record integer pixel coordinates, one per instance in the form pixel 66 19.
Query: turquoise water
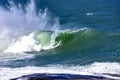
pixel 53 36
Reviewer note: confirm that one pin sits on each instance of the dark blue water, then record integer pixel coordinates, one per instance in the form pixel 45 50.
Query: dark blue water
pixel 105 14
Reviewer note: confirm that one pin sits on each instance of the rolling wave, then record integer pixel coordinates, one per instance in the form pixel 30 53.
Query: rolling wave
pixel 83 38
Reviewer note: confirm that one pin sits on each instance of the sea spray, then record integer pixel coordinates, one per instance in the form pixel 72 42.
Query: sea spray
pixel 16 22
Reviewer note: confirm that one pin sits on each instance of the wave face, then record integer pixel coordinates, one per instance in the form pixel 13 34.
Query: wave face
pixel 83 39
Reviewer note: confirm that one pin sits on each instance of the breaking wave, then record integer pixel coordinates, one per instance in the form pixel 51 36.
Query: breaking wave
pixel 83 38
pixel 17 21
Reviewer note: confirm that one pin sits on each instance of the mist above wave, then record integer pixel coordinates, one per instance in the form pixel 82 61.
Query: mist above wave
pixel 16 22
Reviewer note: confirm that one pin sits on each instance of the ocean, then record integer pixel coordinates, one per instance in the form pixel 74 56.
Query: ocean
pixel 59 37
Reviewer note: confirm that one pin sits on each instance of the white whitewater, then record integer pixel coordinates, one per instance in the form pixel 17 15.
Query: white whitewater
pixel 29 43
pixel 25 44
pixel 96 69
